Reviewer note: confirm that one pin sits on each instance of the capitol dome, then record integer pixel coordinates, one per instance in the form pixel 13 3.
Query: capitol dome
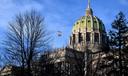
pixel 88 32
pixel 89 23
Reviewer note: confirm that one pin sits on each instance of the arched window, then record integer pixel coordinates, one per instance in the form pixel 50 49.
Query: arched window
pixel 96 37
pixel 89 25
pixel 82 21
pixel 100 26
pixel 95 25
pixel 77 23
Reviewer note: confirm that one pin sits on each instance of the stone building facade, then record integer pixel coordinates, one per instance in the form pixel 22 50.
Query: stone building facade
pixel 62 62
pixel 11 70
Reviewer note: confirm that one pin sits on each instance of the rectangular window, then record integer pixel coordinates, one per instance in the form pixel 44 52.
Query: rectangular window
pixel 96 37
pixel 70 40
pixel 80 37
pixel 88 36
pixel 74 39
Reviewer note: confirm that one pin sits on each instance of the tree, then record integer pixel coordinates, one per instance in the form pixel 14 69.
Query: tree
pixel 118 37
pixel 26 38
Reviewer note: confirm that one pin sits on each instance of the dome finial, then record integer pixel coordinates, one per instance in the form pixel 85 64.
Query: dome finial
pixel 89 10
pixel 88 3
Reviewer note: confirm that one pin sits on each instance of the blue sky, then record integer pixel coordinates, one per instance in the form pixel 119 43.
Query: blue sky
pixel 60 15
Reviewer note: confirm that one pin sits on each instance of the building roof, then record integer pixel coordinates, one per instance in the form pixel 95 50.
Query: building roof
pixel 89 22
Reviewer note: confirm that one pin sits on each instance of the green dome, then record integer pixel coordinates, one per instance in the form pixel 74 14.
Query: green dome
pixel 89 23
pixel 88 31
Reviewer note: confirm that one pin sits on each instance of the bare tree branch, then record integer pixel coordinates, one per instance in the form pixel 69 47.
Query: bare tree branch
pixel 27 36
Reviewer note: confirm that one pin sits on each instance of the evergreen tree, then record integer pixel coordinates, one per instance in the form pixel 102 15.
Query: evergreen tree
pixel 118 37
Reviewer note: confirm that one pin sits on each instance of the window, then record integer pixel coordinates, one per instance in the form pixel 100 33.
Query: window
pixel 70 40
pixel 100 26
pixel 89 21
pixel 74 38
pixel 88 36
pixel 95 25
pixel 96 37
pixel 103 38
pixel 77 22
pixel 80 37
pixel 89 25
pixel 83 17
